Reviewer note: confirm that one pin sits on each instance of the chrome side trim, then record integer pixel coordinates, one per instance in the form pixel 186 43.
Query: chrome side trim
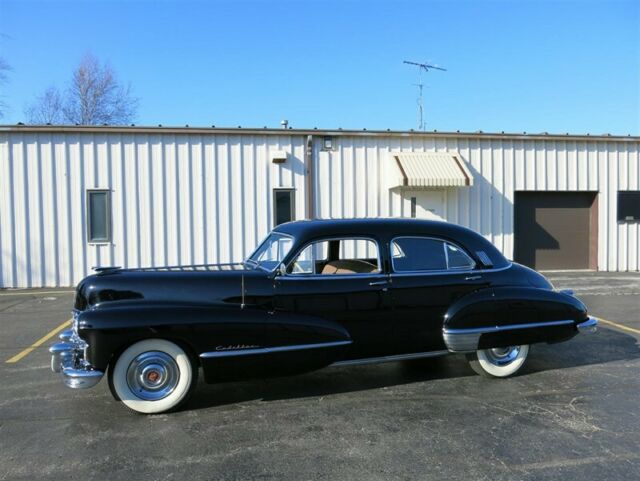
pixel 466 340
pixel 590 325
pixel 461 342
pixel 450 272
pixel 272 350
pixel 381 359
pixel 486 330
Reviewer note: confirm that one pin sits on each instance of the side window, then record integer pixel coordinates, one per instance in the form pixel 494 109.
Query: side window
pixel 423 254
pixel 337 257
pixel 418 254
pixel 310 258
pixel 458 259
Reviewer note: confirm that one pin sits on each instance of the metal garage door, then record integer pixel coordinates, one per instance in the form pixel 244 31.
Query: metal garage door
pixel 556 230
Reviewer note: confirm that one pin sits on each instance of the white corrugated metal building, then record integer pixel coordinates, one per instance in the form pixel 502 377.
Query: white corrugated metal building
pixel 76 197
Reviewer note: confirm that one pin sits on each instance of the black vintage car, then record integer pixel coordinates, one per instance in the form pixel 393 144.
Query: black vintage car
pixel 313 294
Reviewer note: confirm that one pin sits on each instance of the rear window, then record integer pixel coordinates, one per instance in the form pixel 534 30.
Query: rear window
pixel 409 254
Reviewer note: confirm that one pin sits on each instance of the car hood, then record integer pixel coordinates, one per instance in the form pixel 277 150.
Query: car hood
pixel 197 285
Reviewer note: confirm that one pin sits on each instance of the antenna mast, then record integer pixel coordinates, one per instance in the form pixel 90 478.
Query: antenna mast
pixel 420 85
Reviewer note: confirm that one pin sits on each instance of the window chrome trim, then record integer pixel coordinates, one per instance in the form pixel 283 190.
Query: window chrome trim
pixel 448 270
pixel 303 275
pixel 272 350
pixel 257 264
pixel 451 272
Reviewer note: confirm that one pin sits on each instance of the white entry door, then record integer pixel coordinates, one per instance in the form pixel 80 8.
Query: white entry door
pixel 424 204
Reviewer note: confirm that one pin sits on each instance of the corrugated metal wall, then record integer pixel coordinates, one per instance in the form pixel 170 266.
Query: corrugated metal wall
pixel 350 183
pixel 191 198
pixel 176 199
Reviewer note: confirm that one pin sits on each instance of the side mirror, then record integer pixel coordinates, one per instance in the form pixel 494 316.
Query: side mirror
pixel 282 269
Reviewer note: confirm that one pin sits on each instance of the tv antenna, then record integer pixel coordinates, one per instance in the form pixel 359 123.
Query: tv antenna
pixel 426 67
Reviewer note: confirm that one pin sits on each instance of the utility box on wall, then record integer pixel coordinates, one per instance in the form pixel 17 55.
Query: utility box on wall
pixel 279 156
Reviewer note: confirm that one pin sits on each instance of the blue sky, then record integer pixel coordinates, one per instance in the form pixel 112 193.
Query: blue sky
pixel 561 66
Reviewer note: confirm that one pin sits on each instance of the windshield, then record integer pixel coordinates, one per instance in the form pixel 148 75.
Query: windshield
pixel 271 252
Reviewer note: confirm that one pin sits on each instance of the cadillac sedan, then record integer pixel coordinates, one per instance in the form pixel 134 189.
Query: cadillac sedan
pixel 313 294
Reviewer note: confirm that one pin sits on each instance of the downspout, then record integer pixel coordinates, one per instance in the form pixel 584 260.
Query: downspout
pixel 310 181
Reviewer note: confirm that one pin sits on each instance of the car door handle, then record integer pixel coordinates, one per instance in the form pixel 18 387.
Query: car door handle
pixel 472 278
pixel 378 283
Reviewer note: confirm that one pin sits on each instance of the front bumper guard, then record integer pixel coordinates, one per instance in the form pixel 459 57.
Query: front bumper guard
pixel 67 357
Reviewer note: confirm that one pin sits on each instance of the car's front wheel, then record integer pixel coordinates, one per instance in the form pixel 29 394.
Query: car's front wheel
pixel 499 361
pixel 153 376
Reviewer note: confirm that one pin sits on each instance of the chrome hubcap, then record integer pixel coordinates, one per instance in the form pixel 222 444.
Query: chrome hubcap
pixel 153 375
pixel 501 356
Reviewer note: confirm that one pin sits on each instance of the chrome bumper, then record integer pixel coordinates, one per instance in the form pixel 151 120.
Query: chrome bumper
pixel 67 357
pixel 590 325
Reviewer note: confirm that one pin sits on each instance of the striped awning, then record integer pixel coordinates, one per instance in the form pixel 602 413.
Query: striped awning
pixel 424 170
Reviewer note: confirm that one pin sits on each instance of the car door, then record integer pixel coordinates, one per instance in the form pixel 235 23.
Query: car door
pixel 427 276
pixel 331 280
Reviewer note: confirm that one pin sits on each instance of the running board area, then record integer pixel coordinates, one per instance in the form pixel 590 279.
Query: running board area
pixel 397 357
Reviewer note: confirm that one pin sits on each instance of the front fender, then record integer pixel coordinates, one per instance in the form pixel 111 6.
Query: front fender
pixel 505 316
pixel 200 328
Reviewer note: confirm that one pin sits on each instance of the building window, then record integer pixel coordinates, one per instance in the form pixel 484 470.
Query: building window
pixel 628 205
pixel 283 205
pixel 98 216
pixel 327 143
pixel 414 202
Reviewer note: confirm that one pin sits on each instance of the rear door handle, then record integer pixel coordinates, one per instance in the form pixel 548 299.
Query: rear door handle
pixel 378 283
pixel 472 278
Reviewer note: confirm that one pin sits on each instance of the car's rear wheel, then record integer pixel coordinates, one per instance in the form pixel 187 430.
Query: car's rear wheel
pixel 153 376
pixel 499 361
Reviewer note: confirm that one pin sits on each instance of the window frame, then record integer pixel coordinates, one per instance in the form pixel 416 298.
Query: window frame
pixel 292 213
pixel 303 275
pixel 448 270
pixel 108 239
pixel 248 259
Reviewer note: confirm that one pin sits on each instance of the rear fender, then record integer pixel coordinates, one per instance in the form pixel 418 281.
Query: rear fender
pixel 505 316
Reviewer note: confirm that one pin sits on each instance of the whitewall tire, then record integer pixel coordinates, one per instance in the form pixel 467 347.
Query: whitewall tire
pixel 500 361
pixel 153 376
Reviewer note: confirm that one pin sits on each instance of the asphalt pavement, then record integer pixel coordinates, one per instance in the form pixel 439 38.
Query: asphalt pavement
pixel 573 413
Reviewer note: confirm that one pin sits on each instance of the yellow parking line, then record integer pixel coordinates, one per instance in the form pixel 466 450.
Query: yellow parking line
pixel 39 342
pixel 619 326
pixel 39 293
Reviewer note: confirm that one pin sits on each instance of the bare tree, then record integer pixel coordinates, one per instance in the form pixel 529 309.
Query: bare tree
pixel 94 96
pixel 4 69
pixel 47 109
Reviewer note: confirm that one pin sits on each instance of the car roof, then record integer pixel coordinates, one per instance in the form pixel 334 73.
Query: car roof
pixel 366 226
pixel 391 227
